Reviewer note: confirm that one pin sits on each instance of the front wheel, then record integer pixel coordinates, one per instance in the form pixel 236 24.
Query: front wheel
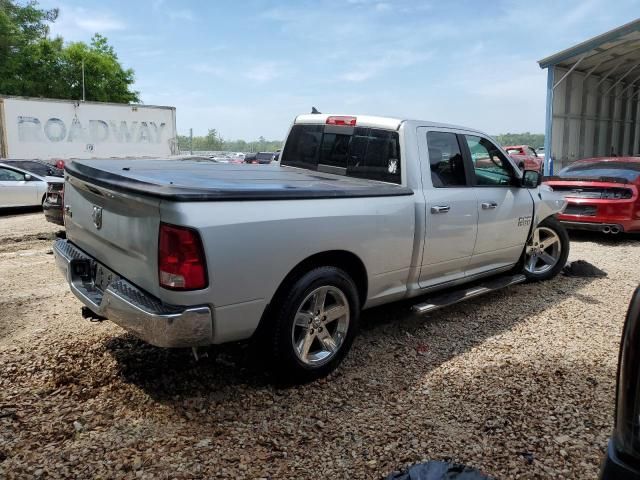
pixel 315 325
pixel 546 251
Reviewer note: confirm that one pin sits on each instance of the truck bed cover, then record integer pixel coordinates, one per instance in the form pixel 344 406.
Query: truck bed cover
pixel 197 181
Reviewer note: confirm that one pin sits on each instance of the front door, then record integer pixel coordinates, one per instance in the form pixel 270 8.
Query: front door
pixel 451 207
pixel 15 190
pixel 505 209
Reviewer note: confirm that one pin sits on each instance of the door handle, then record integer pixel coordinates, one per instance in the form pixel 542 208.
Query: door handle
pixel 440 209
pixel 489 205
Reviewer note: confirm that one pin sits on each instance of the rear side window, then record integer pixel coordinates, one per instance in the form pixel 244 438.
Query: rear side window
pixel 445 160
pixel 303 146
pixel 361 152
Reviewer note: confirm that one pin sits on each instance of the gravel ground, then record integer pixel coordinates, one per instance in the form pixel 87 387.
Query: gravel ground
pixel 519 383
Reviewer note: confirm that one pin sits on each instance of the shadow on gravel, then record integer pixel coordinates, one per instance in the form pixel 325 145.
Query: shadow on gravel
pixel 14 211
pixel 391 339
pixel 164 373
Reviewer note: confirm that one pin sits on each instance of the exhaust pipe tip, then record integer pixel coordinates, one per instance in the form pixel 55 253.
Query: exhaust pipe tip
pixel 615 230
pixel 606 229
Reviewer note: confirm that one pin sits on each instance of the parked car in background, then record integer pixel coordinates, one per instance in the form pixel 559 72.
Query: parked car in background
pixel 525 157
pixel 622 461
pixel 39 167
pixel 602 194
pixel 53 203
pixel 360 211
pixel 261 158
pixel 20 188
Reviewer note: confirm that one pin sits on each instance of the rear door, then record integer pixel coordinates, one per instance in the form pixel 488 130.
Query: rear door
pixel 505 209
pixel 452 211
pixel 15 190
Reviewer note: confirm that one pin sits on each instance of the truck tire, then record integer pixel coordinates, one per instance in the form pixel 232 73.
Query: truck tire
pixel 315 325
pixel 546 252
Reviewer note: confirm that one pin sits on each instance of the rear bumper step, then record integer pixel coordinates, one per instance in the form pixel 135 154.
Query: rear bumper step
pixel 133 309
pixel 460 295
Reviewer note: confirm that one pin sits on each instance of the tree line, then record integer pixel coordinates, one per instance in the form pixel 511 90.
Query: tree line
pixel 32 64
pixel 536 140
pixel 212 141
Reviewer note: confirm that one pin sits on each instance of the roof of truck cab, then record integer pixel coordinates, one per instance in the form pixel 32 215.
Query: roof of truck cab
pixel 391 123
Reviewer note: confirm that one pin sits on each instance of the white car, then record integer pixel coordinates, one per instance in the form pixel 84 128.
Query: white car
pixel 20 188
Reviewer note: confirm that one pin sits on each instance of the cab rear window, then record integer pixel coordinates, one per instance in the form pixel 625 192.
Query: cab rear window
pixel 361 152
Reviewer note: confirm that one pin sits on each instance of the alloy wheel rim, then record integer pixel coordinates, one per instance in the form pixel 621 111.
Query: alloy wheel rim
pixel 543 251
pixel 320 325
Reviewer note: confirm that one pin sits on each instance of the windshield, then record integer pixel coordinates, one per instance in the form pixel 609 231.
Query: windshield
pixel 362 152
pixel 627 170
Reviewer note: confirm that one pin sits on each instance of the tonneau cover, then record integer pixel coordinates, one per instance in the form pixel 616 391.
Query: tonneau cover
pixel 192 180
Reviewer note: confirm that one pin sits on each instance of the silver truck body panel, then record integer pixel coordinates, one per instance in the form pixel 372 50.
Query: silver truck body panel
pixel 258 223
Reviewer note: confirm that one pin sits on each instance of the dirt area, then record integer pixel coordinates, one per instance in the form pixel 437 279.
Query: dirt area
pixel 519 383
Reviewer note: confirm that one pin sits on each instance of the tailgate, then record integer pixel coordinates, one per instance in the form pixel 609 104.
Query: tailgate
pixel 120 230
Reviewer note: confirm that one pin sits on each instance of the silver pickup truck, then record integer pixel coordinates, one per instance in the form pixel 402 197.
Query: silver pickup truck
pixel 359 212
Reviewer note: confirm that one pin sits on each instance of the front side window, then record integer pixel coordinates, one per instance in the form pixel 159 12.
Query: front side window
pixel 445 160
pixel 491 168
pixel 7 175
pixel 361 152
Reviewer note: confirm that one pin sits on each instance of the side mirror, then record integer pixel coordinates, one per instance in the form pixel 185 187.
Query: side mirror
pixel 531 179
pixel 28 177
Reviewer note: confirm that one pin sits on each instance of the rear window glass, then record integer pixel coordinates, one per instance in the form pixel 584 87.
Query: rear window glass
pixel 627 170
pixel 264 156
pixel 353 151
pixel 33 167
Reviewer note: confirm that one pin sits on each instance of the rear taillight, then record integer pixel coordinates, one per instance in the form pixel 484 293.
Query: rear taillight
pixel 617 194
pixel 341 120
pixel 181 262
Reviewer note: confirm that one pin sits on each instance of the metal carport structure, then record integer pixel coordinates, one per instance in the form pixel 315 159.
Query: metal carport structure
pixel 593 98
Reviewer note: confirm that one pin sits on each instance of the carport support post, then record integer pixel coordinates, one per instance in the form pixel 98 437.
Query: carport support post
pixel 548 165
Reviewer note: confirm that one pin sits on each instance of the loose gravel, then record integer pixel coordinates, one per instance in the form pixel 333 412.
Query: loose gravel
pixel 519 383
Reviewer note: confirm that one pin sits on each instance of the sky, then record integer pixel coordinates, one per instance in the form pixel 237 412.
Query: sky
pixel 248 67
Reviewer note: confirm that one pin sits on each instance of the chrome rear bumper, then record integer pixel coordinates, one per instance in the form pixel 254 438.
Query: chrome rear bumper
pixel 133 309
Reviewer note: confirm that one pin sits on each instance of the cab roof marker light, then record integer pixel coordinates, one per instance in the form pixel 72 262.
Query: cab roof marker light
pixel 342 120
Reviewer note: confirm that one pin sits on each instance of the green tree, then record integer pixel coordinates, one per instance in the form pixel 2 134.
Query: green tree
pixel 105 79
pixel 33 64
pixel 535 140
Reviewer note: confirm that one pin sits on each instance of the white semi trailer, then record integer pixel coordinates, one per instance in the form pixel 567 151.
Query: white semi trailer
pixel 35 128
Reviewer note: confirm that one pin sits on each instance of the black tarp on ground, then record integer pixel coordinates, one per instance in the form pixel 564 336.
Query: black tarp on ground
pixel 439 471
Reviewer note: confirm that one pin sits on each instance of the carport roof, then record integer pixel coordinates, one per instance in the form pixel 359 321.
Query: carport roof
pixel 614 54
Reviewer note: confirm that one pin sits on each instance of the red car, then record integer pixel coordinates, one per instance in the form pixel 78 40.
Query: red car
pixel 525 157
pixel 602 194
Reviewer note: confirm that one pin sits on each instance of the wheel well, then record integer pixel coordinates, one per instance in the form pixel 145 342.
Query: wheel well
pixel 347 261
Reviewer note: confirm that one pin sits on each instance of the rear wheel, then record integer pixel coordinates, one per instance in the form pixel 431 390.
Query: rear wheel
pixel 315 325
pixel 546 251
